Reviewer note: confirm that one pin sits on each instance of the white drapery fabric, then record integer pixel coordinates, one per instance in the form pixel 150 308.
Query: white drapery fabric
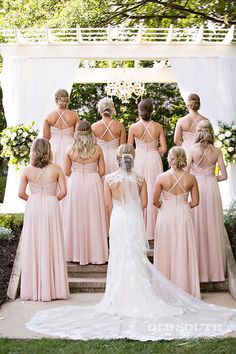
pixel 29 85
pixel 214 80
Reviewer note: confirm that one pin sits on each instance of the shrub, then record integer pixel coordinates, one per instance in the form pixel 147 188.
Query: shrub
pixel 11 221
pixel 6 233
pixel 2 187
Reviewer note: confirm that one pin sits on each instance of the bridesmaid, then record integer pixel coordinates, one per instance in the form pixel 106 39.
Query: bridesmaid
pixel 43 268
pixel 186 126
pixel 175 253
pixel 109 133
pixel 59 127
pixel 208 216
pixel 84 217
pixel 150 146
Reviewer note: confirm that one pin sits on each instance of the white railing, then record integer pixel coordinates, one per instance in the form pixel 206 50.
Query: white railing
pixel 118 34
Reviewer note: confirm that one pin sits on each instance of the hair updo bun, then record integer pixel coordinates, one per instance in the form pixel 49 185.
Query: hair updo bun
pixel 40 153
pixel 193 102
pixel 145 108
pixel 126 154
pixel 106 106
pixel 62 98
pixel 177 157
pixel 204 133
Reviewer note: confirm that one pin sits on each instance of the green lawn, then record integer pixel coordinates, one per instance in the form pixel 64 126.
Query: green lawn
pixel 59 346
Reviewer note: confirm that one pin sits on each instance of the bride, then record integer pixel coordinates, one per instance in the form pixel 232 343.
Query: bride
pixel 139 303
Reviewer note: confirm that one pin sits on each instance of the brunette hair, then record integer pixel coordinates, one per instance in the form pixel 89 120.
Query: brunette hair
pixel 145 108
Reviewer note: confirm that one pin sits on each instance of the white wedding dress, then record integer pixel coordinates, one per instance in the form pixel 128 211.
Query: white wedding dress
pixel 139 303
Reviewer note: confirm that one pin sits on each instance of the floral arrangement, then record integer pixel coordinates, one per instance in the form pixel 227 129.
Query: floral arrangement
pixel 226 140
pixel 16 142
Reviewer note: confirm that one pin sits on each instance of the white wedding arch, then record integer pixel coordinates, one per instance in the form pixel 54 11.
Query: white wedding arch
pixel 36 62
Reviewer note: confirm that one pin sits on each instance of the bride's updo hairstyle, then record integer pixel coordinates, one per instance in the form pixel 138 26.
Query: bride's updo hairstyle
pixel 126 153
pixel 193 102
pixel 106 107
pixel 204 133
pixel 177 158
pixel 84 143
pixel 40 153
pixel 145 108
pixel 62 98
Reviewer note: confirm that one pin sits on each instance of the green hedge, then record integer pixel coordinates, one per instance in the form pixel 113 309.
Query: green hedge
pixel 11 221
pixel 2 187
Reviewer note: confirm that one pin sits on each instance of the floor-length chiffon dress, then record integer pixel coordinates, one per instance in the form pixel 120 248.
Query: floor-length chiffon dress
pixel 43 268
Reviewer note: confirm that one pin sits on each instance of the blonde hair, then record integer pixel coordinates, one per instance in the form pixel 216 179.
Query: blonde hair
pixel 62 98
pixel 106 106
pixel 129 152
pixel 204 133
pixel 84 143
pixel 40 153
pixel 177 157
pixel 193 102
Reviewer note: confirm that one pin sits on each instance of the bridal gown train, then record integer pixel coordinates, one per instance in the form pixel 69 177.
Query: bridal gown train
pixel 139 303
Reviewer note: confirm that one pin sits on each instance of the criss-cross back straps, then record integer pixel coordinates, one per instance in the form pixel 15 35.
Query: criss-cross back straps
pixel 202 157
pixel 39 175
pixel 61 117
pixel 195 122
pixel 107 130
pixel 146 127
pixel 177 181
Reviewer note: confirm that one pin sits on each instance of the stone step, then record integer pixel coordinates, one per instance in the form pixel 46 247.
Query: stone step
pixel 87 285
pixel 215 287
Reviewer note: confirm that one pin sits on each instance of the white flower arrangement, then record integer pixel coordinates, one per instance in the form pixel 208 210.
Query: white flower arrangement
pixel 226 140
pixel 16 142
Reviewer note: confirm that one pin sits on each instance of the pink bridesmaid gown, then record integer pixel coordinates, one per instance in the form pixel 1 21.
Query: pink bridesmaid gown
pixel 84 218
pixel 189 137
pixel 175 253
pixel 109 149
pixel 60 140
pixel 148 164
pixel 43 268
pixel 209 224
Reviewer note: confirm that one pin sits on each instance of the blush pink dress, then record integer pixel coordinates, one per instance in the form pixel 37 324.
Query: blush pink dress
pixel 43 267
pixel 189 137
pixel 175 253
pixel 84 216
pixel 60 140
pixel 209 223
pixel 148 164
pixel 109 149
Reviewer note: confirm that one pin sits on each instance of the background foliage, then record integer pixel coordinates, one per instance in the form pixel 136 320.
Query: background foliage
pixel 97 13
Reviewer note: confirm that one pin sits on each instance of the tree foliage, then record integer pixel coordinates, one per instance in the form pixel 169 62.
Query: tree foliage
pixel 97 13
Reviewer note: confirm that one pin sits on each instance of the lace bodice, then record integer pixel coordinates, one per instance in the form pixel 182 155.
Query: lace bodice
pixel 119 177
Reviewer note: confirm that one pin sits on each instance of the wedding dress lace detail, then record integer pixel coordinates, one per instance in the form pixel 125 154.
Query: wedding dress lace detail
pixel 139 302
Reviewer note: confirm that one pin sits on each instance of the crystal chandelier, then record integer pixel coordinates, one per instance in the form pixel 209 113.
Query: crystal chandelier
pixel 124 90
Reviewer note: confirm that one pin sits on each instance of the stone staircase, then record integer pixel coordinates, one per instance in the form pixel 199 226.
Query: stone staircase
pixel 91 278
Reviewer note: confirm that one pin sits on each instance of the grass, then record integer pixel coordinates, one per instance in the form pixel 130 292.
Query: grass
pixel 62 346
